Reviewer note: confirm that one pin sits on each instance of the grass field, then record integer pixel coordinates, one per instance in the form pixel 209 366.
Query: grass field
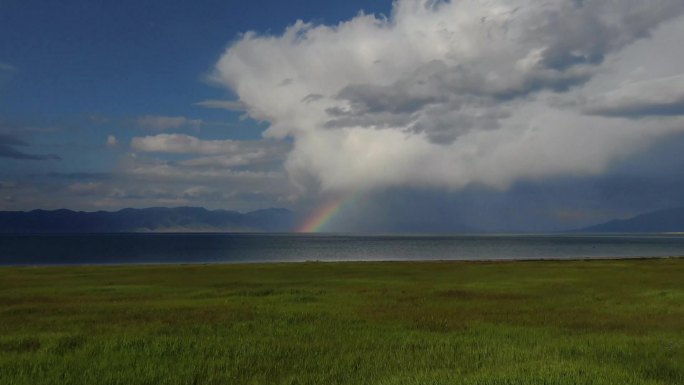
pixel 563 322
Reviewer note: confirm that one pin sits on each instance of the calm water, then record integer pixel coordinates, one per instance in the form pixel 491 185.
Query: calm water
pixel 220 248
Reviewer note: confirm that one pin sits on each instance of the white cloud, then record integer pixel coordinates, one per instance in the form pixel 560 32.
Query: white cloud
pixel 454 93
pixel 112 141
pixel 229 105
pixel 212 173
pixel 183 144
pixel 179 179
pixel 168 171
pixel 239 159
pixel 163 123
pixel 224 153
pixel 660 96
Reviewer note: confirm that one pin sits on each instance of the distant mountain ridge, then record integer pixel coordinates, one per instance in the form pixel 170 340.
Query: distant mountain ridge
pixel 662 221
pixel 155 219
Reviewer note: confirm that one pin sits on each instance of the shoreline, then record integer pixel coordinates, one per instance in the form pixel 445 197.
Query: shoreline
pixel 350 261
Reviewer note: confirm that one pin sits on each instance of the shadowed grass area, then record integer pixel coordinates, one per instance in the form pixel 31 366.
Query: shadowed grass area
pixel 543 322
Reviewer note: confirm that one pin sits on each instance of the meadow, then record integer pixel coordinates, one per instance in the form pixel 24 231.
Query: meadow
pixel 498 323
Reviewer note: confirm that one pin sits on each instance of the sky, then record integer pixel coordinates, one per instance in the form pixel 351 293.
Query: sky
pixel 417 115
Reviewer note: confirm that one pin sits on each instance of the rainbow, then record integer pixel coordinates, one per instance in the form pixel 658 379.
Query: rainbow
pixel 317 221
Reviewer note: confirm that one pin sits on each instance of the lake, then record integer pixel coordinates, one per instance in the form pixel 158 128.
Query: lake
pixel 240 248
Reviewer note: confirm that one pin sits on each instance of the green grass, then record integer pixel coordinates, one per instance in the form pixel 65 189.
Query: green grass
pixel 563 322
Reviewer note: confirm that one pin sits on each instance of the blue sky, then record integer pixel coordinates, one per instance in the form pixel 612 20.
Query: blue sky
pixel 421 106
pixel 74 60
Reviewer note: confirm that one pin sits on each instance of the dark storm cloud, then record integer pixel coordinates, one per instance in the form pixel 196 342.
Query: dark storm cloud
pixel 647 181
pixel 8 144
pixel 584 32
pixel 640 110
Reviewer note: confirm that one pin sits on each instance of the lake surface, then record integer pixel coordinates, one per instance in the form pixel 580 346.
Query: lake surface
pixel 234 248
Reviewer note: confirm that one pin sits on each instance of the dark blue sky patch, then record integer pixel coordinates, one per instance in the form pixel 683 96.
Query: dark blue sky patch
pixel 8 149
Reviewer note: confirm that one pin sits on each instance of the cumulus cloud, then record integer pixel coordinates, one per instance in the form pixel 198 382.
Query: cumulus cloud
pixel 169 171
pixel 455 93
pixel 656 97
pixel 173 170
pixel 164 123
pixel 229 105
pixel 225 153
pixel 112 141
pixel 202 184
pixel 182 144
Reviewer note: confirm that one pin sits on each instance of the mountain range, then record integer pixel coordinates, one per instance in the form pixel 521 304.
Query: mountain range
pixel 663 221
pixel 156 219
pixel 197 219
